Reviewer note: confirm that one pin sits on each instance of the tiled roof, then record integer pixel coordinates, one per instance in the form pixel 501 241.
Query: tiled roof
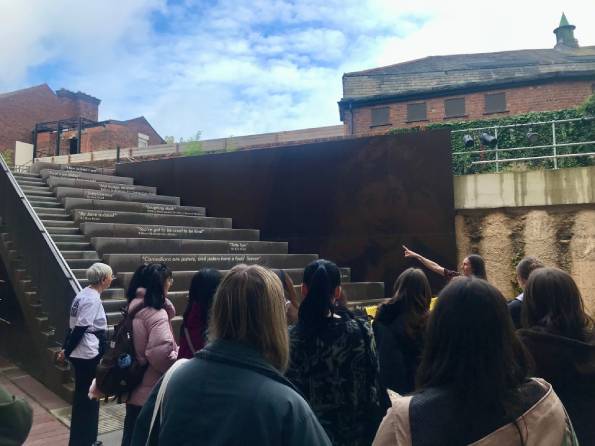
pixel 457 72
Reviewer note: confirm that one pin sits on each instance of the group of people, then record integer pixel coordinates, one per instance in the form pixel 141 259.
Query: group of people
pixel 258 363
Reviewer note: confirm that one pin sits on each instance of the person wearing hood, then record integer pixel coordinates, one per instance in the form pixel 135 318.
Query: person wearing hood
pixel 561 338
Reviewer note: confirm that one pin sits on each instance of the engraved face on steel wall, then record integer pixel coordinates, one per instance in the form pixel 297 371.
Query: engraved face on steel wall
pixel 354 201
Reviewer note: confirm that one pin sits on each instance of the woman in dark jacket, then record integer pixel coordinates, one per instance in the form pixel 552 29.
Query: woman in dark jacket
pixel 333 360
pixel 233 392
pixel 399 329
pixel 560 336
pixel 193 331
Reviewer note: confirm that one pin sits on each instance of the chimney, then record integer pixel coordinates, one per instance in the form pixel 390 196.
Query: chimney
pixel 565 35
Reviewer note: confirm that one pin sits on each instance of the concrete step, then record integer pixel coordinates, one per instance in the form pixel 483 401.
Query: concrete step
pixel 56 216
pixel 132 206
pixel 39 166
pixel 46 204
pixel 103 216
pixel 46 173
pixel 160 231
pixel 63 231
pixel 94 194
pixel 31 183
pixel 79 254
pixel 363 291
pixel 54 182
pixel 185 262
pixel 36 188
pixel 182 279
pixel 54 224
pixel 69 238
pixel 80 274
pixel 18 175
pixel 55 211
pixel 42 198
pixel 74 246
pixel 37 192
pixel 110 245
pixel 82 263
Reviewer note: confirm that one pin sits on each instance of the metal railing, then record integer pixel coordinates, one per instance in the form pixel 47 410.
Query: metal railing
pixel 554 150
pixel 50 273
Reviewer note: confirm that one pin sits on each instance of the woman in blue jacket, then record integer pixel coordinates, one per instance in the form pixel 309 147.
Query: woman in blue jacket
pixel 233 391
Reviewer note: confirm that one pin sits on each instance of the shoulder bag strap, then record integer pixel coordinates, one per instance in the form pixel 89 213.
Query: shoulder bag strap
pixel 160 395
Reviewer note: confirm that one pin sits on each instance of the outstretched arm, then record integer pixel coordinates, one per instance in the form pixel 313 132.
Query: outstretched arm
pixel 430 264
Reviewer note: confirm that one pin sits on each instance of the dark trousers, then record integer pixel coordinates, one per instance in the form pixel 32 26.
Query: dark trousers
pixel 132 413
pixel 85 412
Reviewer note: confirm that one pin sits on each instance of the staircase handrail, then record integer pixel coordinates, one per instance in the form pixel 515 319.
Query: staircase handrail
pixel 49 251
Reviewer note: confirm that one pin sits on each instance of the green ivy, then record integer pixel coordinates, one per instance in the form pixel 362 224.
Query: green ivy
pixel 574 131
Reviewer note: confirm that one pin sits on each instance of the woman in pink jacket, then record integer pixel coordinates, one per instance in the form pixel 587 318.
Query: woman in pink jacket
pixel 153 337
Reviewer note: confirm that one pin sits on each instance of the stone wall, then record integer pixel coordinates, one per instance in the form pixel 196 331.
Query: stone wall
pixel 562 236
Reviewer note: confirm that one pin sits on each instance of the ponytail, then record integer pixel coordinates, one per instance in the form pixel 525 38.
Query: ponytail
pixel 322 278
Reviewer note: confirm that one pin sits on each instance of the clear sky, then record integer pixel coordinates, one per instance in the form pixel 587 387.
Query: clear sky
pixel 235 67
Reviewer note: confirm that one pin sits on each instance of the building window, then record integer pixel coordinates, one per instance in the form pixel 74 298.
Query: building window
pixel 380 116
pixel 495 102
pixel 143 141
pixel 417 112
pixel 454 108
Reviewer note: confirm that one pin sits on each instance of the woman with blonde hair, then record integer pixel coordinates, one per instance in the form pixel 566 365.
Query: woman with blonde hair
pixel 233 390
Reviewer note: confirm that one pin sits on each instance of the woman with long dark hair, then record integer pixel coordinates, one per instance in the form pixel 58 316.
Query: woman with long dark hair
pixel 399 328
pixel 154 343
pixel 193 332
pixel 473 265
pixel 333 360
pixel 472 383
pixel 560 336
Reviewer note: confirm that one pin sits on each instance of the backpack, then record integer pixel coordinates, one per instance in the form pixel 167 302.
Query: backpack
pixel 119 372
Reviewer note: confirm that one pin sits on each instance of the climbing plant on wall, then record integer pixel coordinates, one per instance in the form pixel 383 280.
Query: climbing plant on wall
pixel 533 137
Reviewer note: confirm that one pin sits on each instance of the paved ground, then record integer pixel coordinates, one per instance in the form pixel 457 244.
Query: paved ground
pixel 51 413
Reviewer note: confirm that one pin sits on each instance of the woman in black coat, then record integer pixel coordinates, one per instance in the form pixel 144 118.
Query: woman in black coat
pixel 399 330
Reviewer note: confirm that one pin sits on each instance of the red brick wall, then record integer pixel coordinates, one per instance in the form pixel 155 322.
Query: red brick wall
pixel 94 138
pixel 141 125
pixel 545 97
pixel 21 110
pixel 79 107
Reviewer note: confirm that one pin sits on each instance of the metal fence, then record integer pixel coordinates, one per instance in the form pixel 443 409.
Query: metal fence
pixel 546 144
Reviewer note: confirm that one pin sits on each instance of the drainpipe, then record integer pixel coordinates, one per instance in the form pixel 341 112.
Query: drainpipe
pixel 351 114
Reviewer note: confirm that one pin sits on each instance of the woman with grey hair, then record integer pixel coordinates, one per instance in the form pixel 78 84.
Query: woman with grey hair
pixel 83 347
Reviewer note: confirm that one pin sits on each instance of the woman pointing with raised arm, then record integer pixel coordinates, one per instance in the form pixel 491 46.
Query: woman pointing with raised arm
pixel 473 265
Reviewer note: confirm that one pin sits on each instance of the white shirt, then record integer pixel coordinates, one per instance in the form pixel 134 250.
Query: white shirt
pixel 87 310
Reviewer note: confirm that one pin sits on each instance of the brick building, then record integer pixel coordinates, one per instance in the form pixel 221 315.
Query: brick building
pixel 22 110
pixel 469 86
